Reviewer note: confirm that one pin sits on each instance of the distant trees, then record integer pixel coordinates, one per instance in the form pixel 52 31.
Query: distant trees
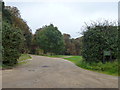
pixel 67 43
pixel 78 45
pixel 50 39
pixel 100 37
pixel 72 46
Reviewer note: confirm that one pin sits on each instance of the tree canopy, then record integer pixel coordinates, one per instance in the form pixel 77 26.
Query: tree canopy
pixel 50 39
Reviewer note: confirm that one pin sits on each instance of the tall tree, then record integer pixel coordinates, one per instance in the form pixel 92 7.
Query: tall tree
pixel 50 39
pixel 13 16
pixel 12 39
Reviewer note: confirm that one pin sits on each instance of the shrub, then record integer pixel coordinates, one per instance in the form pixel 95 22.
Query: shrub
pixel 12 39
pixel 100 37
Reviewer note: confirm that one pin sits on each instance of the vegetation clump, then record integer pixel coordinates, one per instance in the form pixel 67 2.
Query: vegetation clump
pixel 97 38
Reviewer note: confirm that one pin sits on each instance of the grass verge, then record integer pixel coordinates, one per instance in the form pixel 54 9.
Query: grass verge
pixel 24 57
pixel 22 60
pixel 110 68
pixel 59 56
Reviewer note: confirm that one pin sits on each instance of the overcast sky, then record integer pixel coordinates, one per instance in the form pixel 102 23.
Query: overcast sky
pixel 69 17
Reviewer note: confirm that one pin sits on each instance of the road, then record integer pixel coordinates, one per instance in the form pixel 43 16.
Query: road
pixel 46 72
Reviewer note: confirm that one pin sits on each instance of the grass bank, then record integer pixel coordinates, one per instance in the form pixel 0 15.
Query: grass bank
pixel 24 57
pixel 110 68
pixel 59 56
pixel 22 60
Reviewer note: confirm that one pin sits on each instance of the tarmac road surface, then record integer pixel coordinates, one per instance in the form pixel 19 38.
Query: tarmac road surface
pixel 46 72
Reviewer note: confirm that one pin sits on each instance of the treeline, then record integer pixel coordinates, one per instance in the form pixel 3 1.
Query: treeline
pixel 98 38
pixel 49 40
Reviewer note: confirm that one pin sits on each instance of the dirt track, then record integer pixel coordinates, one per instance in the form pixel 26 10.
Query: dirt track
pixel 45 72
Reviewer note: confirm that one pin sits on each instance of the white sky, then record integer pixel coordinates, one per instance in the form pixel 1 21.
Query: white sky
pixel 69 17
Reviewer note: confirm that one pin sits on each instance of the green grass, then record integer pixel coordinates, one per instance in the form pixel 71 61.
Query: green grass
pixel 110 68
pixel 58 56
pixel 24 57
pixel 74 59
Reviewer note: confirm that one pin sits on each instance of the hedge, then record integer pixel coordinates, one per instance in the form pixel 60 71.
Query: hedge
pixel 100 37
pixel 12 39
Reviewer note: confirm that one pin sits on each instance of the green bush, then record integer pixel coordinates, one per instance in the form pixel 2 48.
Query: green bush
pixel 12 39
pixel 100 37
